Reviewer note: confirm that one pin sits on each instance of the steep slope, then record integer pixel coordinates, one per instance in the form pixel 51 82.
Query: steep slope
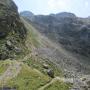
pixel 53 52
pixel 45 55
pixel 71 35
pixel 30 72
pixel 71 32
pixel 12 30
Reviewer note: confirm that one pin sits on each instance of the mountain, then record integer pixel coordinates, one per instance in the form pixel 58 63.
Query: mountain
pixel 68 37
pixel 66 29
pixel 27 14
pixel 70 34
pixel 64 14
pixel 21 65
pixel 31 59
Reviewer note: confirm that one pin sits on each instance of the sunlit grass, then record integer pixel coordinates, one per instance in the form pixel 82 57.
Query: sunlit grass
pixel 28 79
pixel 58 86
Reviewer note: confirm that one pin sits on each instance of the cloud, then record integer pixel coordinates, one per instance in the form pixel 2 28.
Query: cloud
pixel 58 4
pixel 86 3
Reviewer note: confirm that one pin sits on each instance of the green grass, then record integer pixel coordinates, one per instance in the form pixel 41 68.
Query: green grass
pixel 32 35
pixel 3 66
pixel 58 86
pixel 28 79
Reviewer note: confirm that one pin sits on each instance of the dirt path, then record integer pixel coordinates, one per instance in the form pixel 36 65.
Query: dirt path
pixel 69 80
pixel 77 84
pixel 11 72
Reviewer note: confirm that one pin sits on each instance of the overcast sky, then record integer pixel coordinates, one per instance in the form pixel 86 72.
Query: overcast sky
pixel 79 7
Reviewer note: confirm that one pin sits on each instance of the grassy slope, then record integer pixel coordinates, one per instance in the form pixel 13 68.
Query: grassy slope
pixel 33 38
pixel 32 79
pixel 57 86
pixel 37 63
pixel 28 79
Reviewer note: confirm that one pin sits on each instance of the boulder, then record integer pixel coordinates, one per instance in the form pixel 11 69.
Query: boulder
pixel 17 50
pixel 9 45
pixel 84 88
pixel 84 79
pixel 50 72
pixel 45 66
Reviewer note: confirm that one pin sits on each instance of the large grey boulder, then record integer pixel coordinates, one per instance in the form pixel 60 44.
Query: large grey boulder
pixel 50 72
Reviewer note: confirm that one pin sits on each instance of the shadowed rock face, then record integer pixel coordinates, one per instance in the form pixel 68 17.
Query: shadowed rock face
pixel 11 28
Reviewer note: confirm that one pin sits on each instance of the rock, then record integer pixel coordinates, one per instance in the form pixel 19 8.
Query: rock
pixel 17 50
pixel 84 88
pixel 84 79
pixel 50 72
pixel 9 45
pixel 3 56
pixel 45 66
pixel 88 83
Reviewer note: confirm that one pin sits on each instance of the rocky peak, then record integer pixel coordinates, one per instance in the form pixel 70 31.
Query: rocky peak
pixel 28 15
pixel 65 14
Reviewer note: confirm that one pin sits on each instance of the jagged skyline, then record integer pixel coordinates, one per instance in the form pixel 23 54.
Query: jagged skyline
pixel 78 7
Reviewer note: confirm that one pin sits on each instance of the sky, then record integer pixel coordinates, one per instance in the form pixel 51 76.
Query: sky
pixel 81 8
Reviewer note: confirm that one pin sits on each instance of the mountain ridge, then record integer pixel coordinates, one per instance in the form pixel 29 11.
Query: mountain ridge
pixel 65 29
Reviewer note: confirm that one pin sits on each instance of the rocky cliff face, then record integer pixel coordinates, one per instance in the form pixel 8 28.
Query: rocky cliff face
pixel 71 32
pixel 12 31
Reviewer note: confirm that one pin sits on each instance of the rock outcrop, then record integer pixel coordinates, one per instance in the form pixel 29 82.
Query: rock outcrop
pixel 12 30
